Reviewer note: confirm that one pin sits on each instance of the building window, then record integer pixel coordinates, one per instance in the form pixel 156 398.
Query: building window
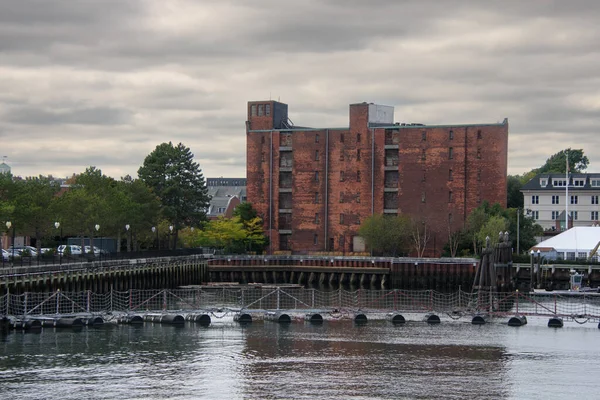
pixel 535 215
pixel 358 138
pixel 479 134
pixel 316 176
pixel 423 154
pixel 450 177
pixel 574 215
pixel 555 199
pixel 357 176
pixel 317 218
pixel 317 138
pixel 262 140
pixel 570 255
pixel 262 157
pixel 316 155
pixel 594 199
pixel 451 135
pixel 316 197
pixel 261 110
pixel 424 176
pixel 535 199
pixel 450 197
pixel 479 153
pixel 341 197
pixel 555 215
pixel 253 110
pixel 342 137
pixel 579 182
pixel 315 239
pixel 267 109
pixel 543 182
pixel 341 156
pixel 341 176
pixel 574 199
pixel 422 197
pixel 479 175
pixel 559 182
pixel 358 197
pixel 594 215
pixel 450 218
pixel 341 218
pixel 595 182
pixel 424 136
pixel 342 243
pixel 450 153
pixel 358 155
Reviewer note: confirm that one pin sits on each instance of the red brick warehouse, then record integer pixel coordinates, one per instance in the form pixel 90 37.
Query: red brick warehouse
pixel 314 187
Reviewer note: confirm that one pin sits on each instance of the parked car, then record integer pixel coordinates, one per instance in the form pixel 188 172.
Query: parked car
pixel 5 255
pixel 96 250
pixel 75 249
pixel 23 251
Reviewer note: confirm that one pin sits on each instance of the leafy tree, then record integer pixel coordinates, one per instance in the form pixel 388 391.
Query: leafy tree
pixel 170 171
pixel 387 235
pixel 245 211
pixel 222 233
pixel 557 163
pixel 32 199
pixel 256 240
pixel 492 228
pixel 514 197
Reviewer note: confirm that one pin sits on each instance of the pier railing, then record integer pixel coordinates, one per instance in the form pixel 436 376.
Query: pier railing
pixel 581 306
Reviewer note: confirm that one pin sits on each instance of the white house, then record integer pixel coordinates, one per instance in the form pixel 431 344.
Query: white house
pixel 546 199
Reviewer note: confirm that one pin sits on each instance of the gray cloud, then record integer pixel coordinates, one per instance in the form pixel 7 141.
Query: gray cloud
pixel 103 82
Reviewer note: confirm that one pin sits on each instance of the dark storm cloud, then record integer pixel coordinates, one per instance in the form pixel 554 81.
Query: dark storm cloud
pixel 109 80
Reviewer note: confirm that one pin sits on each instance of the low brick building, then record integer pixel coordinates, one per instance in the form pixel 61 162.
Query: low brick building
pixel 314 187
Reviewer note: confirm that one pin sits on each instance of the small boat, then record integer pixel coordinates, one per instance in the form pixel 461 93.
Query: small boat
pixel 575 286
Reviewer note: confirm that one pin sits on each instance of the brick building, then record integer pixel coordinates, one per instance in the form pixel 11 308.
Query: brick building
pixel 314 187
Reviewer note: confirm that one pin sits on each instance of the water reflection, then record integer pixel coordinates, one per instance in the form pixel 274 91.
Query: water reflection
pixel 268 360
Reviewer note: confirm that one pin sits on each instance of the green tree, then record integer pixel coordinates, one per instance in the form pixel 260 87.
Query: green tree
pixel 32 199
pixel 492 228
pixel 514 197
pixel 387 235
pixel 557 163
pixel 170 171
pixel 222 233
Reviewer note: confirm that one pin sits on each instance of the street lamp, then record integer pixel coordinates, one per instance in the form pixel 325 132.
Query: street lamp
pixel 531 272
pixel 157 242
pixel 97 227
pixel 128 237
pixel 8 225
pixel 171 234
pixel 57 225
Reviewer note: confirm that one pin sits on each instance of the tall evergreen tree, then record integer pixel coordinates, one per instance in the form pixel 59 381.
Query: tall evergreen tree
pixel 170 171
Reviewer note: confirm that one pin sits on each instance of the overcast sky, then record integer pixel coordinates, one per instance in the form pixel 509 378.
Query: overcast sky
pixel 104 82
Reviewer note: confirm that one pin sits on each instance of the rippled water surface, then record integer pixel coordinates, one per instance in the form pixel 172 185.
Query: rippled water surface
pixel 335 360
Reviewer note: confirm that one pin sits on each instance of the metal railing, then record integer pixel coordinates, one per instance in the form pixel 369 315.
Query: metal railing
pixel 579 307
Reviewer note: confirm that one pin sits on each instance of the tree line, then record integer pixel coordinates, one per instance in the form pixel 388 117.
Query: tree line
pixel 168 197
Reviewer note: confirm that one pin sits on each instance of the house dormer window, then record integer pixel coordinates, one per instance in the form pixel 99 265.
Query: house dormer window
pixel 559 182
pixel 543 182
pixel 579 182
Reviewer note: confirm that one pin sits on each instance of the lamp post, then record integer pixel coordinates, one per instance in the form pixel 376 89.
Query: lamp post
pixel 531 272
pixel 12 244
pixel 57 225
pixel 157 242
pixel 171 235
pixel 538 278
pixel 128 237
pixel 97 227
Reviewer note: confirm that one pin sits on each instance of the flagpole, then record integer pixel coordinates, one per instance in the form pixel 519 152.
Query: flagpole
pixel 567 194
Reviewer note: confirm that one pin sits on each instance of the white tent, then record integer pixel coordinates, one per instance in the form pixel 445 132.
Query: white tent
pixel 578 242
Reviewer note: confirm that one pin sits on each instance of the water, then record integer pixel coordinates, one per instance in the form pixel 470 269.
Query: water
pixel 337 360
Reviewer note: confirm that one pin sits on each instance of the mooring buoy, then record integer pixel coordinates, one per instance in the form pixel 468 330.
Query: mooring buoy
pixel 555 322
pixel 396 319
pixel 517 320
